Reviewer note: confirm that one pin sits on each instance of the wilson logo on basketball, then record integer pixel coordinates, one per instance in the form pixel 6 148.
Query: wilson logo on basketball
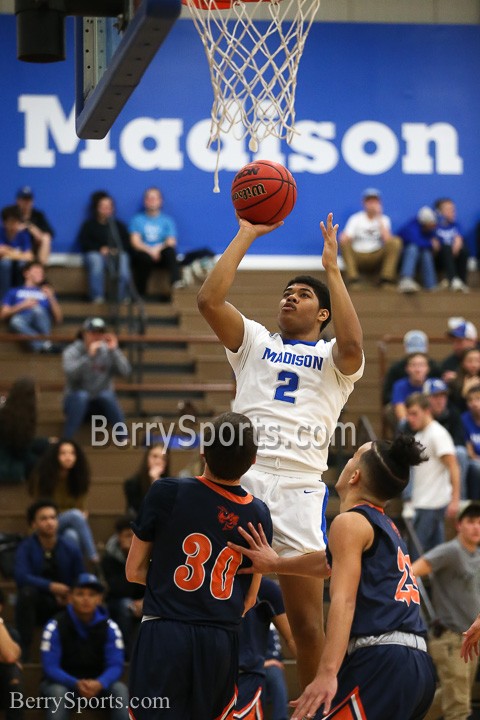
pixel 248 192
pixel 226 518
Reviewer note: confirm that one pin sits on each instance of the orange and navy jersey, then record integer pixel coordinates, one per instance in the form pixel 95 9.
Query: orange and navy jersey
pixel 388 598
pixel 193 573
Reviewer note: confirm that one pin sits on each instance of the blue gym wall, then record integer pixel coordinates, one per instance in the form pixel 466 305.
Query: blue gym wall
pixel 394 76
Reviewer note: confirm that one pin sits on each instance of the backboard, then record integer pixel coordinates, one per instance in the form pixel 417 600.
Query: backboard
pixel 110 60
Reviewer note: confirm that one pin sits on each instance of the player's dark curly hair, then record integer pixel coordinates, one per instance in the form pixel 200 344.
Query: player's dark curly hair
pixel 18 417
pixel 47 475
pixel 229 445
pixel 321 291
pixel 387 465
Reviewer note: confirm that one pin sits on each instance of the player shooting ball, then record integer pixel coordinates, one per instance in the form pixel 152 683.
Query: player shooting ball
pixel 292 385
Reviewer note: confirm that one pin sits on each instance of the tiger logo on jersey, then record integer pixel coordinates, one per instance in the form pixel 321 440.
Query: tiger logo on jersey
pixel 226 518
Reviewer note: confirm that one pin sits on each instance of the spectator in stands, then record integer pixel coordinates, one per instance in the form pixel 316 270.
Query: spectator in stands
pixel 367 244
pixel 20 448
pixel 448 416
pixel 90 364
pixel 124 598
pixel 15 248
pixel 83 656
pixel 453 254
pixel 436 482
pixel 471 424
pixel 153 237
pixel 416 368
pixel 253 643
pixel 36 223
pixel 455 570
pixel 463 335
pixel 275 687
pixel 420 244
pixel 414 341
pixel 46 567
pixel 63 475
pixel 32 308
pixel 105 242
pixel 11 676
pixel 154 465
pixel 468 375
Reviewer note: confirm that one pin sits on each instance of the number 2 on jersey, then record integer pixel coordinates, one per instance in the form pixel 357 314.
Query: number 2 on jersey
pixel 191 576
pixel 406 591
pixel 289 386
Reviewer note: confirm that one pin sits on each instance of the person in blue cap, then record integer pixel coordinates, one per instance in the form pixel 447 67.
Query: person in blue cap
pixel 82 656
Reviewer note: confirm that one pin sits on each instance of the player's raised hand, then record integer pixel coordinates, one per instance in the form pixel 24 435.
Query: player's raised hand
pixel 264 558
pixel 330 245
pixel 257 230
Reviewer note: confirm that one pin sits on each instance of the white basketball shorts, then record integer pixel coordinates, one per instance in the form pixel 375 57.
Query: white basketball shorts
pixel 297 506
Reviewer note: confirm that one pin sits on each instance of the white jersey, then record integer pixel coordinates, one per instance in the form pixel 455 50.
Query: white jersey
pixel 366 233
pixel 293 393
pixel 432 487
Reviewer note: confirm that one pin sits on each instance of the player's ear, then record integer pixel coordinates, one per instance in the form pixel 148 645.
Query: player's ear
pixel 323 314
pixel 355 477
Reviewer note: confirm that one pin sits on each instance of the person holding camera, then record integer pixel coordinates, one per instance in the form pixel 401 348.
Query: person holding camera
pixel 90 363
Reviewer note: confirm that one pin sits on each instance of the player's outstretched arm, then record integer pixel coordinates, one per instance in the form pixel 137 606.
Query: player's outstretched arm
pixel 347 352
pixel 350 535
pixel 224 319
pixel 471 638
pixel 265 560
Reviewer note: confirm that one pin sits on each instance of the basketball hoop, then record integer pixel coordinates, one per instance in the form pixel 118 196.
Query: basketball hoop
pixel 253 68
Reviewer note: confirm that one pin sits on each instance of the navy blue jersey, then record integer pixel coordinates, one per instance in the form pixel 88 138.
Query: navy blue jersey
pixel 255 627
pixel 388 597
pixel 192 575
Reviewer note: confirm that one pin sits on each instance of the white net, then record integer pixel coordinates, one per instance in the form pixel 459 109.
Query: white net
pixel 253 50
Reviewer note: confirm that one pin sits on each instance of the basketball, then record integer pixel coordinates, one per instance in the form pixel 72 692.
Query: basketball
pixel 264 192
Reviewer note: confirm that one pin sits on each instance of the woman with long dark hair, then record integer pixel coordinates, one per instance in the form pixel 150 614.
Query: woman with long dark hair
pixel 105 242
pixel 19 446
pixel 154 465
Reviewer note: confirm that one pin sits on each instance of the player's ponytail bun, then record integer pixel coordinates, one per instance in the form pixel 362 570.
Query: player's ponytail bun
pixel 403 453
pixel 387 464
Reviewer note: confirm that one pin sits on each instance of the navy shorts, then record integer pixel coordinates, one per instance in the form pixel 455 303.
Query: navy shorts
pixel 249 700
pixel 384 681
pixel 181 671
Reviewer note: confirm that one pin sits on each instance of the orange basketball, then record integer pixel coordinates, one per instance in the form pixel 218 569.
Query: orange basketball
pixel 263 192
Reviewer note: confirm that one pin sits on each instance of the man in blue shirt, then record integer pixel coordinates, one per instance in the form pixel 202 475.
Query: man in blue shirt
pixel 417 370
pixel 420 244
pixel 46 566
pixel 453 254
pixel 153 236
pixel 15 247
pixel 82 656
pixel 32 308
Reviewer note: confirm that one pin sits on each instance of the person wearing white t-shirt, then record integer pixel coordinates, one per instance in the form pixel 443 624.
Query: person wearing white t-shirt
pixel 436 482
pixel 292 385
pixel 367 244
